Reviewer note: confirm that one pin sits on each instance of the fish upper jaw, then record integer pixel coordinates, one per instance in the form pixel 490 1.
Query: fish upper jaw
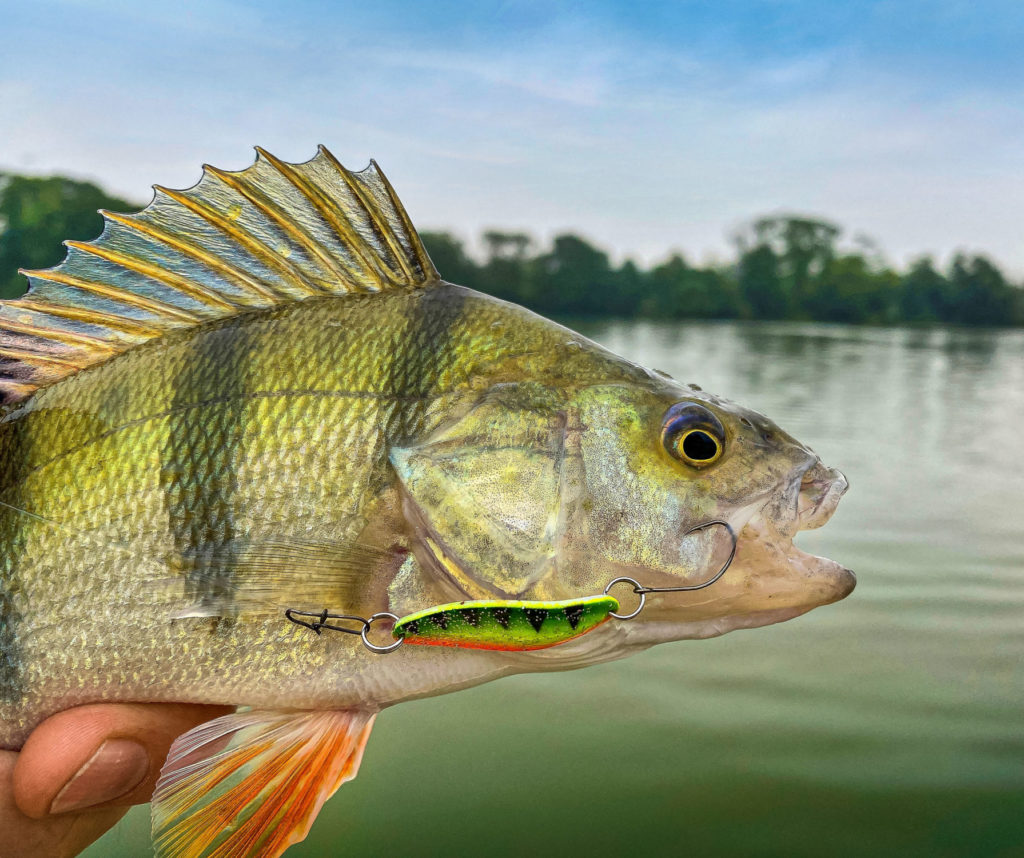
pixel 807 500
pixel 818 495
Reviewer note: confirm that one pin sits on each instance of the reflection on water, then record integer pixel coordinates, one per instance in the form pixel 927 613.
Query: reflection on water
pixel 889 724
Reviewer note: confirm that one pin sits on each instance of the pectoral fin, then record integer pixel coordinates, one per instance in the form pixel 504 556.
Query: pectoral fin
pixel 252 783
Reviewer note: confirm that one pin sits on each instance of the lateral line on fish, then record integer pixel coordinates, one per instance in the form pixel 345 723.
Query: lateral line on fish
pixel 144 559
pixel 105 543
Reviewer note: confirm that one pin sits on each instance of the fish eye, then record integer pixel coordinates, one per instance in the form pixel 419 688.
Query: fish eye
pixel 693 434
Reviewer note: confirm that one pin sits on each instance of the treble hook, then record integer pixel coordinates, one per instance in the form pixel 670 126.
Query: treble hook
pixel 642 591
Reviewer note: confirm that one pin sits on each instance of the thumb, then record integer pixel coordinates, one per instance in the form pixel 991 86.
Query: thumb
pixel 98 755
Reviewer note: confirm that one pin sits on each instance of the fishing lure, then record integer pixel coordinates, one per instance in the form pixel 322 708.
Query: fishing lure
pixel 499 624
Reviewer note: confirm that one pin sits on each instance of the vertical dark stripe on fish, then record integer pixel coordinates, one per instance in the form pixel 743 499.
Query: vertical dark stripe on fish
pixel 14 452
pixel 199 461
pixel 429 351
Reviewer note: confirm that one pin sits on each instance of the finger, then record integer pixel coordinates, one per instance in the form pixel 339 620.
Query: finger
pixel 100 755
pixel 58 836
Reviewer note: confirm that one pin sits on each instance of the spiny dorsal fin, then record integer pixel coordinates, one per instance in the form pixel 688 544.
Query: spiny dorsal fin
pixel 271 234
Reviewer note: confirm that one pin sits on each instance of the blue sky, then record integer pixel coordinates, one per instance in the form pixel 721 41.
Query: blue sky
pixel 647 127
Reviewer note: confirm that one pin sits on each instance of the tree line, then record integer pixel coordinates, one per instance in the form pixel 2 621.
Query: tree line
pixel 785 267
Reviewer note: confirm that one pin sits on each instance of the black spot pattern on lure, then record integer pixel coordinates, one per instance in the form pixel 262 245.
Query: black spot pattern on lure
pixel 471 616
pixel 536 616
pixel 502 616
pixel 573 614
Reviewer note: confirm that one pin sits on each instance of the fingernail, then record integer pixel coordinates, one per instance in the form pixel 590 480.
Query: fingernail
pixel 117 767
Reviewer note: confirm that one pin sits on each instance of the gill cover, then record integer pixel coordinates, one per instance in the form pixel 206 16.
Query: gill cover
pixel 485 494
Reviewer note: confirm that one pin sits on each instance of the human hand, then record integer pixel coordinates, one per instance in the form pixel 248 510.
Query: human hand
pixel 81 770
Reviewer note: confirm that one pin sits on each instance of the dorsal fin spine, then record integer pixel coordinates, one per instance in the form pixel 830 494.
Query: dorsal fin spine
pixel 274 233
pixel 228 272
pixel 161 275
pixel 373 213
pixel 290 227
pixel 256 247
pixel 35 357
pixel 330 212
pixel 90 317
pixel 65 337
pixel 417 245
pixel 151 305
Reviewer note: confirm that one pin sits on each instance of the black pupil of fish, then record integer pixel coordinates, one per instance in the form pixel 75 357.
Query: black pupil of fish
pixel 699 446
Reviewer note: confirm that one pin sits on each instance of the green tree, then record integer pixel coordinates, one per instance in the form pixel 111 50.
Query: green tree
pixel 980 293
pixel 760 283
pixel 849 290
pixel 450 259
pixel 507 273
pixel 924 294
pixel 574 278
pixel 804 247
pixel 679 291
pixel 36 215
pixel 631 285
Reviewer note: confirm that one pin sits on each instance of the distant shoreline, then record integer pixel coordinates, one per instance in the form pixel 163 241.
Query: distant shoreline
pixel 786 268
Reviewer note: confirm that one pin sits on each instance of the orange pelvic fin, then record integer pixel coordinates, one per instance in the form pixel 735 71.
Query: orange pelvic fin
pixel 252 783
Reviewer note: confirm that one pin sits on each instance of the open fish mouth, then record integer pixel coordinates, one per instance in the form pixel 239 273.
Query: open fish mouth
pixel 772 568
pixel 770 579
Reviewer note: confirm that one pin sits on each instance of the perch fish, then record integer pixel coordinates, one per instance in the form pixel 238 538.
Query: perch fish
pixel 256 401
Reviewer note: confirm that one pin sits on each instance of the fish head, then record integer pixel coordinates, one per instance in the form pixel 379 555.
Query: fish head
pixel 538 493
pixel 657 465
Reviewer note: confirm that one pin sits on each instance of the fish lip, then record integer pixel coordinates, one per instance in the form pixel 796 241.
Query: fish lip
pixel 818 490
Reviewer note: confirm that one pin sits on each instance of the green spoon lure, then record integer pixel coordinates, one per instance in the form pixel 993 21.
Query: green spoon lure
pixel 505 625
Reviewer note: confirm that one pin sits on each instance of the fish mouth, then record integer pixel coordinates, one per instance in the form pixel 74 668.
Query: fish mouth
pixel 770 579
pixel 773 569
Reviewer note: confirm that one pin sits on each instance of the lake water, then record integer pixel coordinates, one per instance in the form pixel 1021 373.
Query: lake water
pixel 888 724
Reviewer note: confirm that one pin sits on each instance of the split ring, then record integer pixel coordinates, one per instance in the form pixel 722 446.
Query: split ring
pixel 637 588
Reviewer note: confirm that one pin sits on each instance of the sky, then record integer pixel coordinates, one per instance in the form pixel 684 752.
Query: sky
pixel 647 127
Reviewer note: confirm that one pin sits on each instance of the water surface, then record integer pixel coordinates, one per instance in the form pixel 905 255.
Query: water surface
pixel 888 724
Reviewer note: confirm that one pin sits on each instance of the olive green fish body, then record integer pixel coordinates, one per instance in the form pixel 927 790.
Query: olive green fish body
pixel 157 484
